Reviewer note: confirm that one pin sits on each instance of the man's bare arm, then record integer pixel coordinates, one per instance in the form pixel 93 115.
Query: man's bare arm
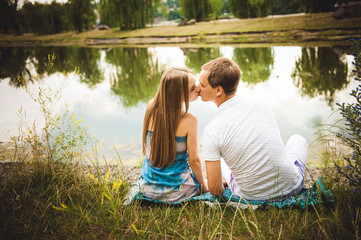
pixel 214 178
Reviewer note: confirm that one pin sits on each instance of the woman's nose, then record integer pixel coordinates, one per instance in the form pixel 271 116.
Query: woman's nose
pixel 198 89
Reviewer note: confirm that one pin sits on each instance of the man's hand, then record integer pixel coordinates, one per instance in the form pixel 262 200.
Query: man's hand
pixel 214 177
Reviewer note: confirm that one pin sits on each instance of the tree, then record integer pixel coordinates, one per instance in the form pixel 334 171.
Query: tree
pixel 127 14
pixel 45 18
pixel 250 8
pixel 192 9
pixel 319 71
pixel 286 6
pixel 82 14
pixel 315 6
pixel 239 8
pixel 216 6
pixel 9 18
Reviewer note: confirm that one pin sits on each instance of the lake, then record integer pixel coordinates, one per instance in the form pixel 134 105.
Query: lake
pixel 110 87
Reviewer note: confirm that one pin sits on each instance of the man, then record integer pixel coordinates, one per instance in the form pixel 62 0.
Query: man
pixel 245 135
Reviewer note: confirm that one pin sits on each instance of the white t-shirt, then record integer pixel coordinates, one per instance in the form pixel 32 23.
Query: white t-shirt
pixel 247 137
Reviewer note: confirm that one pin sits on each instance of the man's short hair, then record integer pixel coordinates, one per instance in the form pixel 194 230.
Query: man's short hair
pixel 223 72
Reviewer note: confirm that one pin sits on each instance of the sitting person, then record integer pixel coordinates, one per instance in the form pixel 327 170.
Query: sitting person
pixel 171 170
pixel 242 144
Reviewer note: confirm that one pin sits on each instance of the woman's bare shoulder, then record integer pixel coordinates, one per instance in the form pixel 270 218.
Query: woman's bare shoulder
pixel 187 124
pixel 189 118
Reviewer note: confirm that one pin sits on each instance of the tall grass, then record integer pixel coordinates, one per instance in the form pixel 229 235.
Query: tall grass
pixel 50 191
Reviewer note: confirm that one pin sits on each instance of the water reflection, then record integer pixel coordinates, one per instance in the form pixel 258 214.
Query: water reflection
pixel 23 65
pixel 120 81
pixel 13 66
pixel 196 57
pixel 320 72
pixel 137 75
pixel 256 63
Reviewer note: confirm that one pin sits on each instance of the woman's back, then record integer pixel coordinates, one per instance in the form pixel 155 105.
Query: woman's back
pixel 174 182
pixel 171 164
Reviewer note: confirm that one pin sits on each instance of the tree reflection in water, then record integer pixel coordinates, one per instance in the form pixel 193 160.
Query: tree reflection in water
pixel 320 72
pixel 13 66
pixel 196 57
pixel 24 65
pixel 137 75
pixel 256 63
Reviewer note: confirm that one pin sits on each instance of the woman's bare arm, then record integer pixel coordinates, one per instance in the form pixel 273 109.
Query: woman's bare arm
pixel 193 156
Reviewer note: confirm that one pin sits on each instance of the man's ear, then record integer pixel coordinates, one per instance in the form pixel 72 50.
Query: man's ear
pixel 219 91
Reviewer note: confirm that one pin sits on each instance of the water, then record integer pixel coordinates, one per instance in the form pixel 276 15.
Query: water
pixel 113 86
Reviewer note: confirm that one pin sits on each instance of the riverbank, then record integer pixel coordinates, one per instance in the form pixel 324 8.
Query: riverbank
pixel 304 30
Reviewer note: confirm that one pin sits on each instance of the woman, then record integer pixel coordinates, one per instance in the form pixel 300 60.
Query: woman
pixel 171 170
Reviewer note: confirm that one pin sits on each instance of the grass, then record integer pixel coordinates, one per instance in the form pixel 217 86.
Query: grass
pixel 285 29
pixel 64 201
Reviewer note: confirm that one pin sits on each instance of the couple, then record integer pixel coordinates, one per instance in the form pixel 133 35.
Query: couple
pixel 242 146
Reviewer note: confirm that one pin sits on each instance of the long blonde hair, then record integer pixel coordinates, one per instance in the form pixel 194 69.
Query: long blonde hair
pixel 164 114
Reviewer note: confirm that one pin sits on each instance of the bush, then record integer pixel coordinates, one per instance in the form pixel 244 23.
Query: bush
pixel 351 113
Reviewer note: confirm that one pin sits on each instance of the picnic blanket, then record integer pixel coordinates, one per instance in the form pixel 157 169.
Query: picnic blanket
pixel 317 194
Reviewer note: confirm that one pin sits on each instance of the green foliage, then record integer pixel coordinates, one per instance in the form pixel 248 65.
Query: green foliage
pixel 13 66
pixel 316 6
pixel 127 14
pixel 351 113
pixel 82 14
pixel 9 17
pixel 46 18
pixel 216 6
pixel 320 71
pixel 198 10
pixel 137 76
pixel 286 6
pixel 250 8
pixel 199 56
pixel 256 63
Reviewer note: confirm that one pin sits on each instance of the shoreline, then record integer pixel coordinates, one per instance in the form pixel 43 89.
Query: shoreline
pixel 299 30
pixel 305 38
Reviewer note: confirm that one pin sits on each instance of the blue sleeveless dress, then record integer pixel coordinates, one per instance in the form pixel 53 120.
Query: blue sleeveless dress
pixel 172 183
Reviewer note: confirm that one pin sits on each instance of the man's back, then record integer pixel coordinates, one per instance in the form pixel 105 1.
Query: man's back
pixel 247 137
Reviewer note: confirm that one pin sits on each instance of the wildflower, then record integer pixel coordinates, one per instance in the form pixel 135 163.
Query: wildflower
pixel 107 176
pixel 62 208
pixel 135 229
pixel 56 208
pixel 91 176
pixel 106 195
pixel 116 184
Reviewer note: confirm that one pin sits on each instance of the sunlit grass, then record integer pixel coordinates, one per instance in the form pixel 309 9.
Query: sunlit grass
pixel 276 30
